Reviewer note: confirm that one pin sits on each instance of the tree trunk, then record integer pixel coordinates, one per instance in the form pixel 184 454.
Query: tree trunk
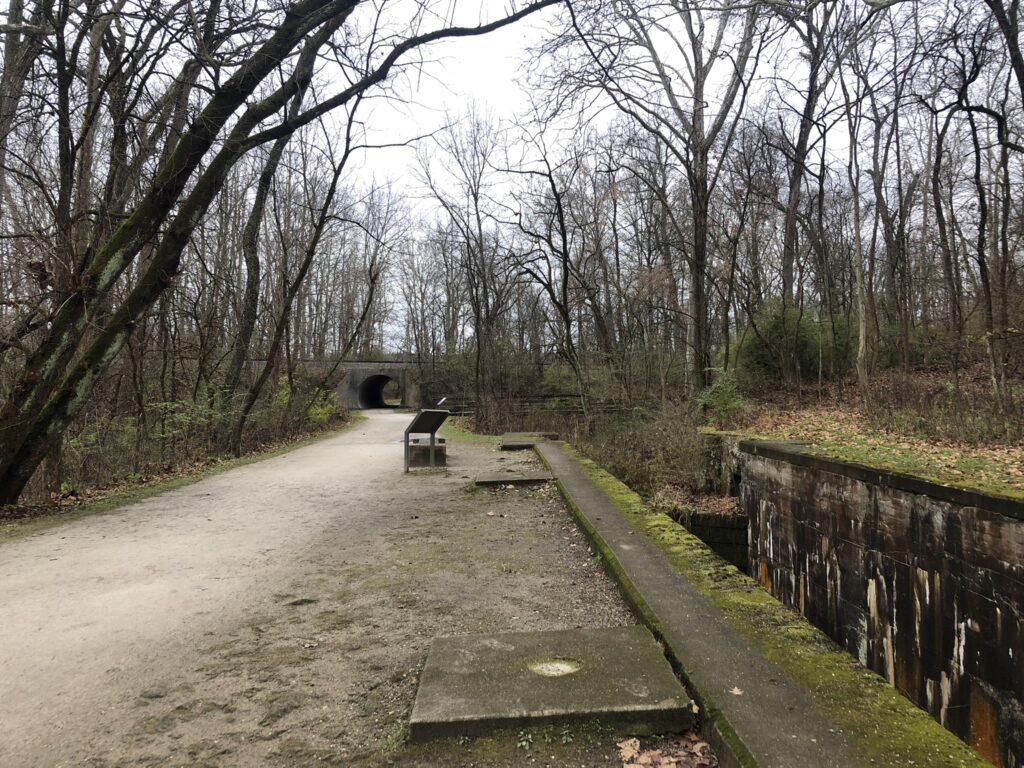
pixel 251 297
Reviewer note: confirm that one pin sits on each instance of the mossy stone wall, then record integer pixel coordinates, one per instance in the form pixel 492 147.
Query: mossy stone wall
pixel 726 535
pixel 722 464
pixel 923 585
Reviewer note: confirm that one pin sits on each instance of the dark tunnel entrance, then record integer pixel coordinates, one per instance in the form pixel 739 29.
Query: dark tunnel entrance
pixel 375 391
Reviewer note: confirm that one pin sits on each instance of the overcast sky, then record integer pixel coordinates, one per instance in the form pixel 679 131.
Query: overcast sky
pixel 484 69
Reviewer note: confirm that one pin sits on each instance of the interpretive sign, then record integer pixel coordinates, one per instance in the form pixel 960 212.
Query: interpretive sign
pixel 427 422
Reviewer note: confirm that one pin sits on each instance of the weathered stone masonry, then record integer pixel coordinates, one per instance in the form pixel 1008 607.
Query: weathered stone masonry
pixel 923 583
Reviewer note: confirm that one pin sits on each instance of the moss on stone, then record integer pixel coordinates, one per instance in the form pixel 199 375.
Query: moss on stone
pixel 883 727
pixel 554 744
pixel 717 729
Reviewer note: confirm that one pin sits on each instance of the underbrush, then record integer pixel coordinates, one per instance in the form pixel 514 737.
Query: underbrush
pixel 954 406
pixel 932 424
pixel 163 439
pixel 936 403
pixel 939 423
pixel 650 450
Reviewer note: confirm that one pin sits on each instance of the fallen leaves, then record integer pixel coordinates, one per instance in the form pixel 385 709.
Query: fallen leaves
pixel 848 435
pixel 629 750
pixel 685 751
pixel 736 691
pixel 674 498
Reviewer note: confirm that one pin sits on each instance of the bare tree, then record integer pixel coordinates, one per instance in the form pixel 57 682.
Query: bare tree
pixel 252 78
pixel 656 61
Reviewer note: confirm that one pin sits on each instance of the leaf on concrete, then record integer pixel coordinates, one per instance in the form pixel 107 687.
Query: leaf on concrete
pixel 629 750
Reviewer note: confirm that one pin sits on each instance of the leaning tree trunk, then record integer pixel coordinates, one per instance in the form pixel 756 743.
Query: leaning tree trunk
pixel 51 391
pixel 251 297
pixel 292 290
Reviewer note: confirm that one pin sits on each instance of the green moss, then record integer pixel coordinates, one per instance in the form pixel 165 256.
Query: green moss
pixel 624 499
pixel 954 466
pixel 910 462
pixel 20 528
pixel 883 727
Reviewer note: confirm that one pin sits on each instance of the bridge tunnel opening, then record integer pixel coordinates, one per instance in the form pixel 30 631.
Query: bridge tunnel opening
pixel 379 391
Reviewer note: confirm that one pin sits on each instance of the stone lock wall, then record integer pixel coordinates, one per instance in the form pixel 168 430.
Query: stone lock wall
pixel 924 584
pixel 726 535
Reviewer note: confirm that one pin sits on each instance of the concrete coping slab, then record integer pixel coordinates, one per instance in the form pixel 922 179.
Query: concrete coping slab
pixel 516 445
pixel 499 479
pixel 473 684
pixel 519 441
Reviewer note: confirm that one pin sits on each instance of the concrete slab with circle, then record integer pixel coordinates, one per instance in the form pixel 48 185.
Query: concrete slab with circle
pixel 473 684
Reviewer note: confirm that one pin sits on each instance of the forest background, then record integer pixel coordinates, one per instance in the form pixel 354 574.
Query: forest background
pixel 795 219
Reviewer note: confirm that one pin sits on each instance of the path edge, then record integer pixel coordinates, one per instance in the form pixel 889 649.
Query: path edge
pixel 718 732
pixel 12 531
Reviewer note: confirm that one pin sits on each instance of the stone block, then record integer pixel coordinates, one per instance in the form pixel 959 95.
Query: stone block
pixel 473 684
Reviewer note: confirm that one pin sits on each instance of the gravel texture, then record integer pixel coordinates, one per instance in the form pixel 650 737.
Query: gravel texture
pixel 280 613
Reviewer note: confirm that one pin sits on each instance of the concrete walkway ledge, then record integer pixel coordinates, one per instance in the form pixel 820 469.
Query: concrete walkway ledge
pixel 774 692
pixel 519 441
pixel 518 479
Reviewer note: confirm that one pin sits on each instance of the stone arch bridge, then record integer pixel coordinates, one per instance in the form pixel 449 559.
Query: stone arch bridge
pixel 363 383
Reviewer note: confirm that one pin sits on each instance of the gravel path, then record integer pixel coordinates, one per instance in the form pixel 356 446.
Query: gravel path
pixel 280 612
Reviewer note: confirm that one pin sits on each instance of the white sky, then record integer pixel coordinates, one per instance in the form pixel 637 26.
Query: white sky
pixel 484 69
pixel 460 70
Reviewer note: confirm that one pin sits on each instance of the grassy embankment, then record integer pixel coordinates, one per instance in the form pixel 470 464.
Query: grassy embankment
pixel 846 435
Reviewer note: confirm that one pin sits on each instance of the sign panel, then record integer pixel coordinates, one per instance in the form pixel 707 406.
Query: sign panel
pixel 427 422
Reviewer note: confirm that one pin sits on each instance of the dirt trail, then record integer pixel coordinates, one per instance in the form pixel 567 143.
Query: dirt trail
pixel 279 613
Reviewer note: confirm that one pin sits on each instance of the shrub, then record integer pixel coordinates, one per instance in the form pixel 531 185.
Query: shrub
pixel 929 346
pixel 823 347
pixel 322 410
pixel 648 451
pixel 722 398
